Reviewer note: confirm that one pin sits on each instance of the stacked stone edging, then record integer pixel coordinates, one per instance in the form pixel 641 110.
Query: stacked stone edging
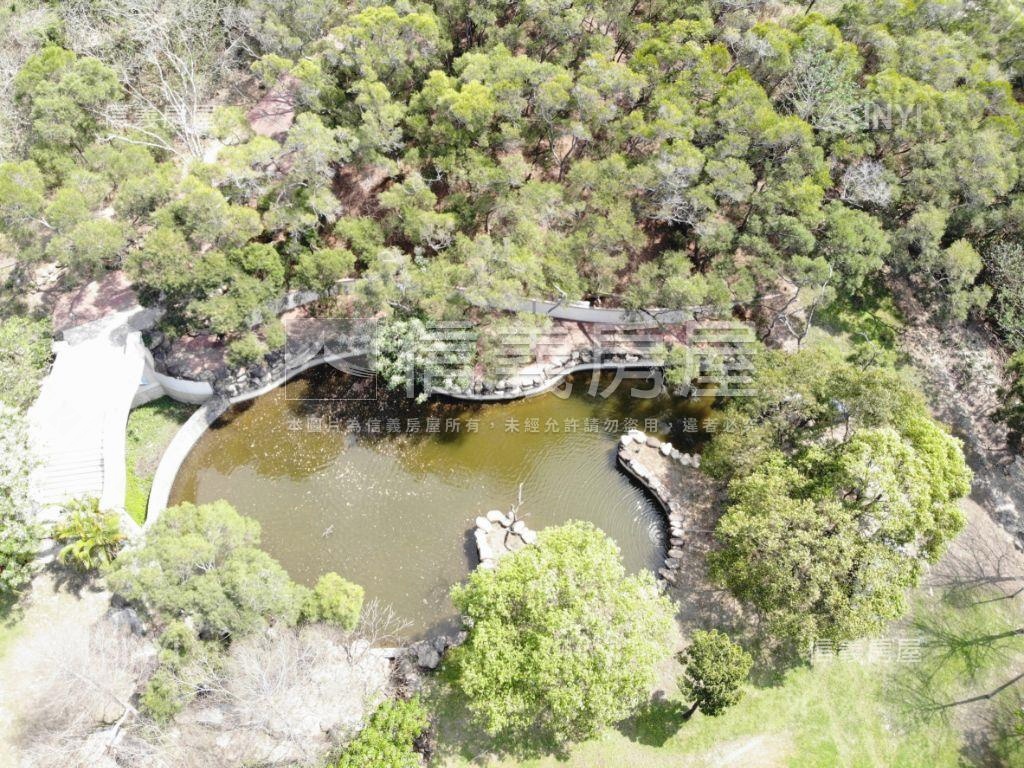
pixel 666 453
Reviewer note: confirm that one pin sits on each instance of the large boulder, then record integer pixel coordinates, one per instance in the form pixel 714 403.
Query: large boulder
pixel 639 437
pixel 426 655
pixel 127 620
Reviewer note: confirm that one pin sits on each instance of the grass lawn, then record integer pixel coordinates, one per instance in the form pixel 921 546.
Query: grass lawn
pixel 834 714
pixel 842 712
pixel 969 672
pixel 150 429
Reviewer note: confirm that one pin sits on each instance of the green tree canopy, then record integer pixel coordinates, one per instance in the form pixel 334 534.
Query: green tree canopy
pixel 24 359
pixel 561 641
pixel 388 739
pixel 714 670
pixel 63 95
pixel 841 488
pixel 335 601
pixel 204 563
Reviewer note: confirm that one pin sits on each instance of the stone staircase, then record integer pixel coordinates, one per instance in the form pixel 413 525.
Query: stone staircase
pixel 77 423
pixel 68 475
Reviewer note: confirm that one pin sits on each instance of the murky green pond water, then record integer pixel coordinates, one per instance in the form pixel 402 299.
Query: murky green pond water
pixel 384 490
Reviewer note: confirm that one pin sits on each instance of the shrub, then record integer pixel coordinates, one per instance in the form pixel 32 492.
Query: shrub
pixel 93 537
pixel 24 359
pixel 203 562
pixel 275 334
pixel 247 350
pixel 230 125
pixel 1005 265
pixel 164 696
pixel 335 601
pixel 714 669
pixel 175 682
pixel 388 740
pixel 1011 409
pixel 19 537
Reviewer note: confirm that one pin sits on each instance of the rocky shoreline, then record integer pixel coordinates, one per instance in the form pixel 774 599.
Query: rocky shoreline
pixel 661 469
pixel 542 376
pixel 498 534
pixel 655 464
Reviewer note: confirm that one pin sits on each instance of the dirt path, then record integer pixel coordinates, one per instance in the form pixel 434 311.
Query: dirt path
pixel 960 370
pixel 51 609
pixel 984 555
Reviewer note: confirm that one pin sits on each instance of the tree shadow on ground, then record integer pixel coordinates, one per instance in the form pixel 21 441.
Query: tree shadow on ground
pixel 456 733
pixel 657 721
pixel 11 610
pixel 74 581
pixel 969 674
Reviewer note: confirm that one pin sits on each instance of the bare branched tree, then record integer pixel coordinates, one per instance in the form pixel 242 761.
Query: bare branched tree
pixel 795 306
pixel 864 182
pixel 83 698
pixel 379 627
pixel 287 696
pixel 171 55
pixel 821 90
pixel 282 697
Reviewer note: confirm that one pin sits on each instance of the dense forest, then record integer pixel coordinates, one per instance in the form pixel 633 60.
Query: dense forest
pixel 763 159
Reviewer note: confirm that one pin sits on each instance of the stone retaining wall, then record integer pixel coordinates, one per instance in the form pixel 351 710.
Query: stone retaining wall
pixel 180 446
pixel 536 379
pixel 531 380
pixel 190 432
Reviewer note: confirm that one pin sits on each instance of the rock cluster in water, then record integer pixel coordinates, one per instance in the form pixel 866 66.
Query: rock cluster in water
pixel 656 475
pixel 498 534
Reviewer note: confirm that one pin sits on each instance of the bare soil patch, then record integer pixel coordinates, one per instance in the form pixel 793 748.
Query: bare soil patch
pixel 53 608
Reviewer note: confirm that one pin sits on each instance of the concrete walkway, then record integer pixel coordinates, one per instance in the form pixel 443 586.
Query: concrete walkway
pixel 77 425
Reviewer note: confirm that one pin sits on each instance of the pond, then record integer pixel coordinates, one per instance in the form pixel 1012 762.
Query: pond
pixel 343 477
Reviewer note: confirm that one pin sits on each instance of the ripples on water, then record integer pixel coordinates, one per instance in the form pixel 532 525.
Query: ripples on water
pixel 394 512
